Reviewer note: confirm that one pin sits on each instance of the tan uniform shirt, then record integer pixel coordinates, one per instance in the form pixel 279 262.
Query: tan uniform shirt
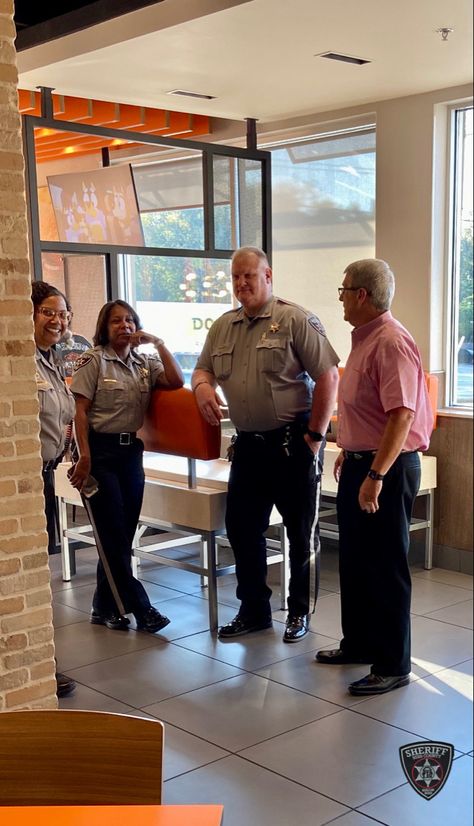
pixel 119 391
pixel 266 365
pixel 56 404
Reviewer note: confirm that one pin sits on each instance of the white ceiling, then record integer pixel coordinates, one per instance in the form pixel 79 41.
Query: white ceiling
pixel 258 57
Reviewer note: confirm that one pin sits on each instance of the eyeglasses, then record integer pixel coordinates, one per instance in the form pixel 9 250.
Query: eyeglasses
pixel 342 290
pixel 63 315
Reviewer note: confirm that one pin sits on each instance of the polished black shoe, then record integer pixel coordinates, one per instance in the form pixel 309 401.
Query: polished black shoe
pixel 336 656
pixel 64 685
pixel 113 621
pixel 377 684
pixel 152 621
pixel 240 626
pixel 296 628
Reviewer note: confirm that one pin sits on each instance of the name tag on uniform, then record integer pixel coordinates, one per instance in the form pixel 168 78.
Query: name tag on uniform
pixel 42 383
pixel 110 381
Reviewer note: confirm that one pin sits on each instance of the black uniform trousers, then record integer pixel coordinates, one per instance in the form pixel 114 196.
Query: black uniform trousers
pixel 115 508
pixel 272 468
pixel 373 564
pixel 50 507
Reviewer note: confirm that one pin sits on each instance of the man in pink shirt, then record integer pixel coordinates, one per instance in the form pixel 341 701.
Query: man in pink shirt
pixel 384 419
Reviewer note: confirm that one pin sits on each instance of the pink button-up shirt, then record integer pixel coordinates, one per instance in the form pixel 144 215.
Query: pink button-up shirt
pixel 383 372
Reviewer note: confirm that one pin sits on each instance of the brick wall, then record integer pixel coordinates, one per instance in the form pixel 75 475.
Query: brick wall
pixel 26 632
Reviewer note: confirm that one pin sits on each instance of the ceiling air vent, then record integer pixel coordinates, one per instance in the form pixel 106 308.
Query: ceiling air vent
pixel 186 94
pixel 344 58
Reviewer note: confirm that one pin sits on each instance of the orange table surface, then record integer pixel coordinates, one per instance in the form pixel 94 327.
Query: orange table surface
pixel 111 815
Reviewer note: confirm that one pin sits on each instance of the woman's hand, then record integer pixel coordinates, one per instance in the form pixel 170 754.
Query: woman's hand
pixel 141 337
pixel 80 472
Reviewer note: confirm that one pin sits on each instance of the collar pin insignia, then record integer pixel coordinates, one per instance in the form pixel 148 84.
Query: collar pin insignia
pixel 274 328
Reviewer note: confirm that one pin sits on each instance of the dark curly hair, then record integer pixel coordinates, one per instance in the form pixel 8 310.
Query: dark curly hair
pixel 101 335
pixel 41 290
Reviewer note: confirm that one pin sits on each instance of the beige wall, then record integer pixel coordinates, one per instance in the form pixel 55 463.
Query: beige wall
pixel 26 632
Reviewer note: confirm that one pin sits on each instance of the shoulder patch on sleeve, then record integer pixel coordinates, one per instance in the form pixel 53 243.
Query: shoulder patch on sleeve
pixel 316 324
pixel 81 362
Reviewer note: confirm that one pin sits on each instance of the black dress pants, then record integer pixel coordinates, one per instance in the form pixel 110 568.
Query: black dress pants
pixel 272 468
pixel 115 509
pixel 50 507
pixel 373 564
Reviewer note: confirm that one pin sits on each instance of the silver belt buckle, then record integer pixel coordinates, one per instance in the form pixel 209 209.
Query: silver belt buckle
pixel 124 439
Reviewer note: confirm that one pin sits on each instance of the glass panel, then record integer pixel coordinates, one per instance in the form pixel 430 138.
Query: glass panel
pixel 250 202
pixel 82 278
pixel 178 299
pixel 225 206
pixel 463 347
pixel 148 196
pixel 323 198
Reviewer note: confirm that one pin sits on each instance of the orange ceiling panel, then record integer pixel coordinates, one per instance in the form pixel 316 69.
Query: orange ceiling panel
pixel 51 143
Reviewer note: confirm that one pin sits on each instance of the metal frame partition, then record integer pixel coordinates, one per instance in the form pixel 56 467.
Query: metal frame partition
pixel 111 252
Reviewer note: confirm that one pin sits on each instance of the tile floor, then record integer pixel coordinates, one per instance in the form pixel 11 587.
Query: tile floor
pixel 257 725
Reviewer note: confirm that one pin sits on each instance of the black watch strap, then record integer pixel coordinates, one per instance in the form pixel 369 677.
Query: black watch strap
pixel 314 435
pixel 377 477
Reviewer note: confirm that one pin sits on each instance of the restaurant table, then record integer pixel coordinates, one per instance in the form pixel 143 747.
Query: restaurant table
pixel 195 815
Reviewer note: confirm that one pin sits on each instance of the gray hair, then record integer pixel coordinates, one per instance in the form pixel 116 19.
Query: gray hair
pixel 376 277
pixel 251 251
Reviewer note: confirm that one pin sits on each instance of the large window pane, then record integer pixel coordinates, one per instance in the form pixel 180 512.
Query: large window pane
pixel 323 197
pixel 461 386
pixel 178 299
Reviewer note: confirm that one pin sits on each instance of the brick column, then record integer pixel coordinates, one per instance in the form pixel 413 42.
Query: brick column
pixel 26 631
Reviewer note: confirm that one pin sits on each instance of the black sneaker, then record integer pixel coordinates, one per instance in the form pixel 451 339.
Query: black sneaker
pixel 152 621
pixel 240 626
pixel 113 621
pixel 64 685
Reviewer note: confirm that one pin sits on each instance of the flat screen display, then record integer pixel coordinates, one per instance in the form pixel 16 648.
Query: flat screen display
pixel 97 207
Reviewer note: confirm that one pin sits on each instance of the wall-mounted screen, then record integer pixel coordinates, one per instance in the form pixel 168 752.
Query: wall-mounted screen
pixel 97 207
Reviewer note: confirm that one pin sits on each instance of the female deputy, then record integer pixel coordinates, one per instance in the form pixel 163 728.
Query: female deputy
pixel 112 385
pixel 51 317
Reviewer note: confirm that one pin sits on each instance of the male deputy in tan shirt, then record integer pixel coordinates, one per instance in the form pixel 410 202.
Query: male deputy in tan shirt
pixel 279 375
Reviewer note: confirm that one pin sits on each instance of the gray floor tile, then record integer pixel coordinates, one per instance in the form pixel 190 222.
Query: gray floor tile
pixel 253 651
pixel 252 796
pixel 146 677
pixel 355 819
pixel 458 614
pixel 183 581
pixel 438 707
pixel 82 643
pixel 437 645
pixel 188 616
pixel 342 756
pixel 80 597
pixel 86 699
pixel 446 577
pixel 64 615
pixel 241 711
pixel 428 595
pixel 452 805
pixel 184 752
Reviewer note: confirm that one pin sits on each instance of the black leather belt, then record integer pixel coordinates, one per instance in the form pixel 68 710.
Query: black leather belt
pixel 360 454
pixel 123 439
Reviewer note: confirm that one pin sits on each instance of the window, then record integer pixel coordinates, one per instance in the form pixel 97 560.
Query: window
pixel 460 389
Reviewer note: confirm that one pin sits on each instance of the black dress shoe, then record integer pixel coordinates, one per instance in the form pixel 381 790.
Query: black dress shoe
pixel 377 684
pixel 113 621
pixel 336 656
pixel 296 628
pixel 240 626
pixel 64 685
pixel 152 621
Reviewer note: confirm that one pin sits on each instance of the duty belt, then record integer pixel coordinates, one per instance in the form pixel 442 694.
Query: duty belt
pixel 123 439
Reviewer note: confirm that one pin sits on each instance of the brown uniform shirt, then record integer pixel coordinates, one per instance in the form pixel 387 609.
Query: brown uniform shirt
pixel 267 365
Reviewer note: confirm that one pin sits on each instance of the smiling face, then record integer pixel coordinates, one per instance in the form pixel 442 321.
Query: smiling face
pixel 119 327
pixel 50 329
pixel 252 281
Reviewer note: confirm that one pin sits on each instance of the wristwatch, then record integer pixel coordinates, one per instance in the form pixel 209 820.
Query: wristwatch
pixel 314 435
pixel 377 477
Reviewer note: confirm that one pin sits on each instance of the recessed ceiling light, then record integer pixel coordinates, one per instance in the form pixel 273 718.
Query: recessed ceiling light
pixel 186 94
pixel 344 58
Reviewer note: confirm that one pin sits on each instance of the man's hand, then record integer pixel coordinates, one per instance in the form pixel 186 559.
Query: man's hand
pixel 338 466
pixel 209 403
pixel 369 495
pixel 314 446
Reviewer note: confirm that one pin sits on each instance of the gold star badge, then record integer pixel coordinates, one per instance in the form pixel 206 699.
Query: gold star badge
pixel 274 328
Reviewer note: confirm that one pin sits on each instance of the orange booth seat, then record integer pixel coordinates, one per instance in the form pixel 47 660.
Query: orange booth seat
pixel 173 424
pixel 432 387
